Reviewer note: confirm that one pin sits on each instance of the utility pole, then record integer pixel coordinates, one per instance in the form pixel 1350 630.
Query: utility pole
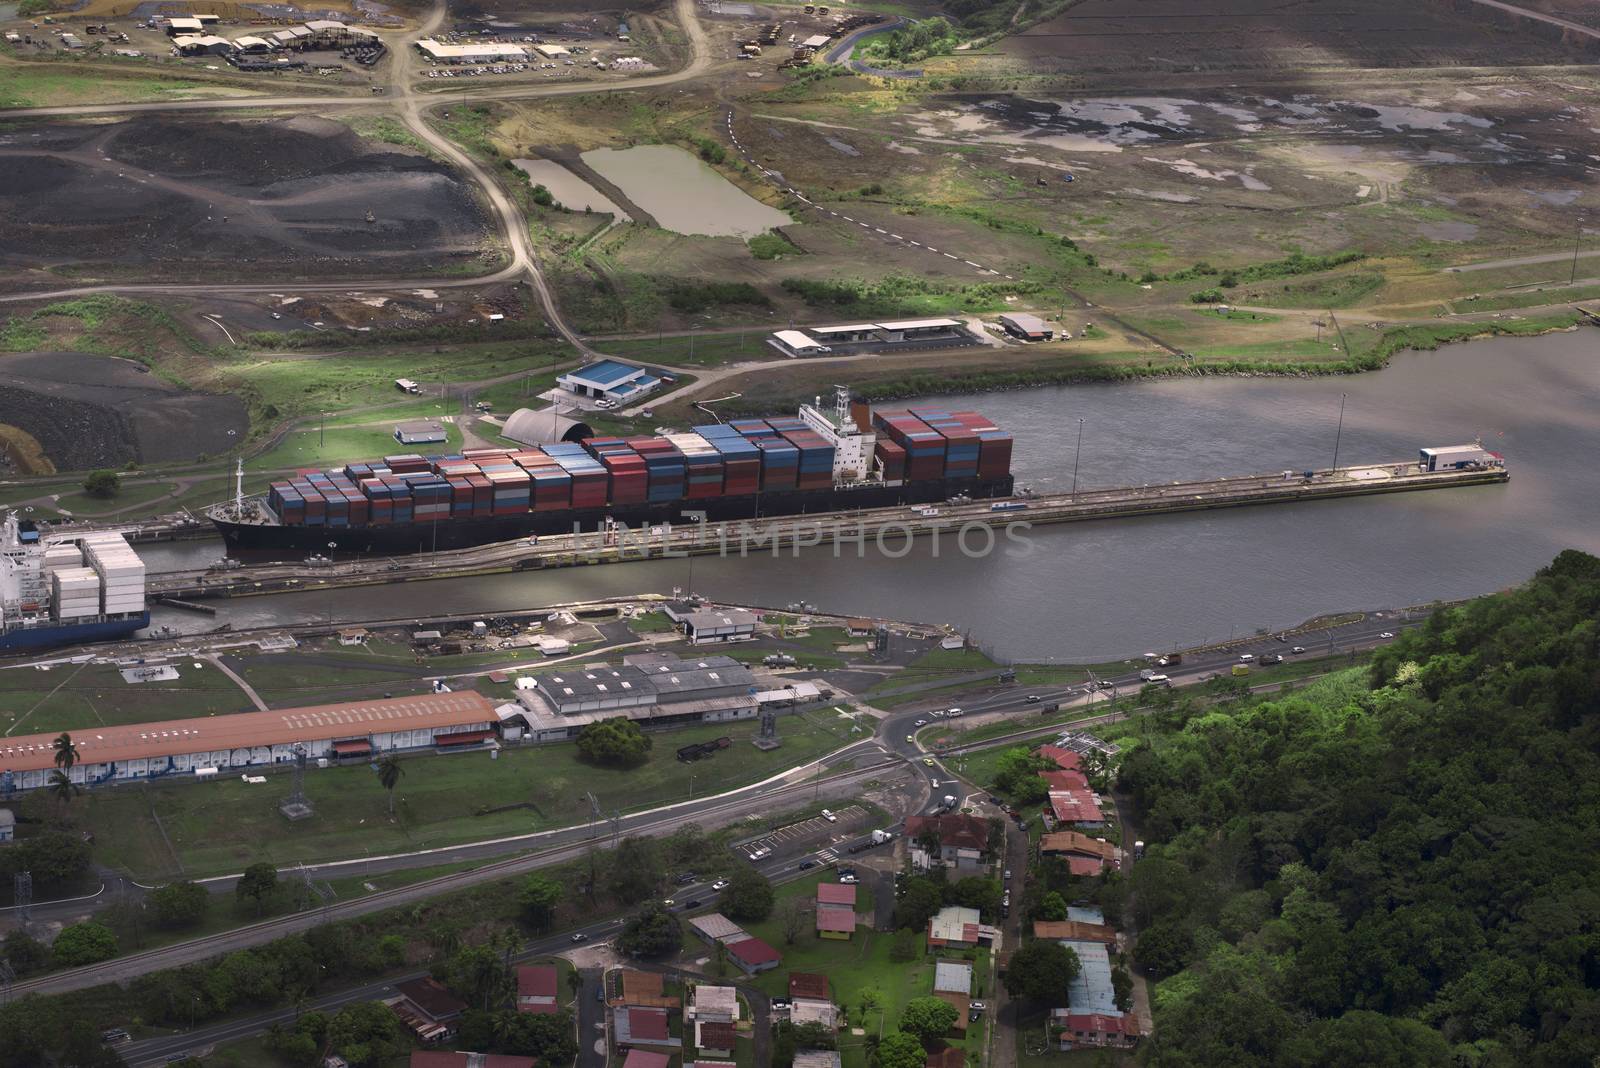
pixel 1340 432
pixel 1577 237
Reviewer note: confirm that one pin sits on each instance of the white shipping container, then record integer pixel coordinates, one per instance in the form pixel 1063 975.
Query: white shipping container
pixel 74 578
pixel 77 613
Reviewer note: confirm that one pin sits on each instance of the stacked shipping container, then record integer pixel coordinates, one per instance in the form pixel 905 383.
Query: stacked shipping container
pixel 742 458
pixel 119 571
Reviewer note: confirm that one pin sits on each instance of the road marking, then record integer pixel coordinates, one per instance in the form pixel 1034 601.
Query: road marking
pixel 969 263
pixel 846 218
pixel 897 237
pixel 932 249
pixel 917 243
pixel 880 229
pixel 951 256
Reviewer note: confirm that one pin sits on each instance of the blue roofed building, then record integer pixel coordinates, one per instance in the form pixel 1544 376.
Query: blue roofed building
pixel 1086 914
pixel 610 380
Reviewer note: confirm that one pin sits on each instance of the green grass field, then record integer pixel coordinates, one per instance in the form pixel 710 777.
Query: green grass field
pixel 83 696
pixel 130 494
pixel 311 446
pixel 223 825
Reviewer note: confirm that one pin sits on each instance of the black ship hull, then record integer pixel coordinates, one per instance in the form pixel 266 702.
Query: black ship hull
pixel 454 533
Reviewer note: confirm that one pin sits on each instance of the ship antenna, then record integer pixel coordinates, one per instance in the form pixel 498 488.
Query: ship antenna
pixel 238 486
pixel 841 404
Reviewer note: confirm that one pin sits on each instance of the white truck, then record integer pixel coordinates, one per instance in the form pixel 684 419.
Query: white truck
pixel 880 837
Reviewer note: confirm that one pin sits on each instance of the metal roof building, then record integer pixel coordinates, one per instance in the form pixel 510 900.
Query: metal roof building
pixel 1091 989
pixel 483 52
pixel 952 977
pixel 797 343
pixel 252 739
pixel 610 380
pixel 420 432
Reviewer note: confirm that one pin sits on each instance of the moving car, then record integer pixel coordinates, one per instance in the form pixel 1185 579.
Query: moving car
pixel 1387 634
pixel 720 885
pixel 921 723
pixel 928 761
pixel 1032 699
pixel 579 936
pixel 805 865
pixel 911 738
pixel 1247 657
pixel 1298 649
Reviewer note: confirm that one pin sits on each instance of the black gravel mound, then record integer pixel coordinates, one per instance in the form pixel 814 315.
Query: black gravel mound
pixel 99 411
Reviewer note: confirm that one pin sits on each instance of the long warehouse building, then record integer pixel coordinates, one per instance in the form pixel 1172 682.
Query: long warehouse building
pixel 211 744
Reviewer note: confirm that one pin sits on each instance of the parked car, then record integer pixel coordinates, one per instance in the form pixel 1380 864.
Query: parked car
pixel 829 816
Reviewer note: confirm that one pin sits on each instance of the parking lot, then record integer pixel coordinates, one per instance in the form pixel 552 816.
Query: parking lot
pixel 817 833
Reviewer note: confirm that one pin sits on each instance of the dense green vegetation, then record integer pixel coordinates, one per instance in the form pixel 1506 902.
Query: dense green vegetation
pixel 1396 866
pixel 930 37
pixel 698 296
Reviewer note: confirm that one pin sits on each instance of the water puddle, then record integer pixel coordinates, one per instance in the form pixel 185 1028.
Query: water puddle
pixel 684 194
pixel 570 191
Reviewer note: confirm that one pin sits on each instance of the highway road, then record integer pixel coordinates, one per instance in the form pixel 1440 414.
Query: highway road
pixel 779 868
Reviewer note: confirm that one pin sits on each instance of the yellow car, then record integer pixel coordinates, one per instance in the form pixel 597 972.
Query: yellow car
pixel 928 761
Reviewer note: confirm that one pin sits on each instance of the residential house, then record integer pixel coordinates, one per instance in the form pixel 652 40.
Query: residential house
pixel 426 1008
pixel 1091 990
pixel 1093 1030
pixel 1074 930
pixel 812 1010
pixel 715 1039
pixel 635 1026
pixel 949 1057
pixel 646 989
pixel 641 1058
pixel 810 985
pixel 714 927
pixel 753 955
pixel 952 977
pixel 536 989
pixel 717 1004
pixel 1084 855
pixel 963 840
pixel 957 926
pixel 1064 779
pixel 1065 759
pixel 817 1058
pixel 836 910
pixel 962 1003
pixel 1076 808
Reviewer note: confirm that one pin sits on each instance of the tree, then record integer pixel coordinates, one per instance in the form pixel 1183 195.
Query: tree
pixel 61 787
pixel 976 892
pixel 546 1036
pixel 616 742
pixel 1122 988
pixel 1369 1039
pixel 479 974
pixel 257 883
pixel 178 905
pixel 389 771
pixel 920 898
pixel 636 870
pixel 83 943
pixel 56 858
pixel 794 914
pixel 539 895
pixel 103 484
pixel 748 897
pixel 1052 906
pixel 1017 775
pixel 66 753
pixel 652 933
pixel 84 1049
pixel 23 952
pixel 1041 971
pixel 366 1033
pixel 542 196
pixel 900 1050
pixel 929 1019
pixel 1165 947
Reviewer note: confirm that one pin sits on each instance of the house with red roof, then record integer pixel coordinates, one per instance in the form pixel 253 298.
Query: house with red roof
pixel 715 1039
pixel 1093 1030
pixel 836 910
pixel 1065 780
pixel 635 1026
pixel 536 989
pixel 640 1058
pixel 753 955
pixel 957 926
pixel 1065 759
pixel 963 840
pixel 1078 808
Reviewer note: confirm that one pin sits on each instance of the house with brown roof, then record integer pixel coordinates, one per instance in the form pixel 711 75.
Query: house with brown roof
pixel 1084 855
pixel 427 1008
pixel 836 910
pixel 963 840
pixel 1063 779
pixel 1074 931
pixel 810 985
pixel 641 1058
pixel 1065 759
pixel 1093 1030
pixel 537 988
pixel 645 989
pixel 715 1039
pixel 949 1057
pixel 962 1003
pixel 1075 808
pixel 956 926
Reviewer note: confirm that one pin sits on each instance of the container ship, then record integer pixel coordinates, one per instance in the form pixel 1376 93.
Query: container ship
pixel 815 462
pixel 66 589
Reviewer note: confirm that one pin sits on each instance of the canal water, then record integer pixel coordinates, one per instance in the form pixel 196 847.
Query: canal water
pixel 1104 589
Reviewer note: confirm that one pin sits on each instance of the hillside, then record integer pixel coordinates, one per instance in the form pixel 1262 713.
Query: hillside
pixel 1392 867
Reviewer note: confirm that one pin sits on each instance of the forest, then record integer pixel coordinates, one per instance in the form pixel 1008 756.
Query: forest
pixel 1397 865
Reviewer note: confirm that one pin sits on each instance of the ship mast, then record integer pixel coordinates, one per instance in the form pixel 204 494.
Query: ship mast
pixel 238 486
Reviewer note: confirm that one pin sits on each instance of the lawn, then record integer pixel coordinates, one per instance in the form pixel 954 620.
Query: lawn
pixel 443 799
pixel 702 350
pixel 83 696
pixel 25 85
pixel 128 495
pixel 332 446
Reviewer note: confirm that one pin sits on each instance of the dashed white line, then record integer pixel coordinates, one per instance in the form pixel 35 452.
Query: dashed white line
pixel 951 256
pixel 969 263
pixel 880 229
pixel 932 249
pixel 897 237
pixel 917 243
pixel 846 218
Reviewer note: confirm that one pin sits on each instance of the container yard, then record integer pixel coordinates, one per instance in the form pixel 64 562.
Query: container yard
pixel 854 531
pixel 744 469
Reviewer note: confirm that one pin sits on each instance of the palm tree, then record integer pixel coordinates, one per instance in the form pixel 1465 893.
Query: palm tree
pixel 66 752
pixel 63 787
pixel 389 772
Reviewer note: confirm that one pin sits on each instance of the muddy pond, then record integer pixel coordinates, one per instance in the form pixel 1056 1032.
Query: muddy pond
pixel 682 193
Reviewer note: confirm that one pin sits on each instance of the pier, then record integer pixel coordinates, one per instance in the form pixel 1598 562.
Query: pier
pixel 975 524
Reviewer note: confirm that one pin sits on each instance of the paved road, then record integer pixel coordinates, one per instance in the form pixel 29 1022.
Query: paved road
pixel 556 848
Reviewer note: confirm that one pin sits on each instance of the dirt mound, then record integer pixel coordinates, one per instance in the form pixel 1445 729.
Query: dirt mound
pixel 96 411
pixel 249 153
pixel 26 175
